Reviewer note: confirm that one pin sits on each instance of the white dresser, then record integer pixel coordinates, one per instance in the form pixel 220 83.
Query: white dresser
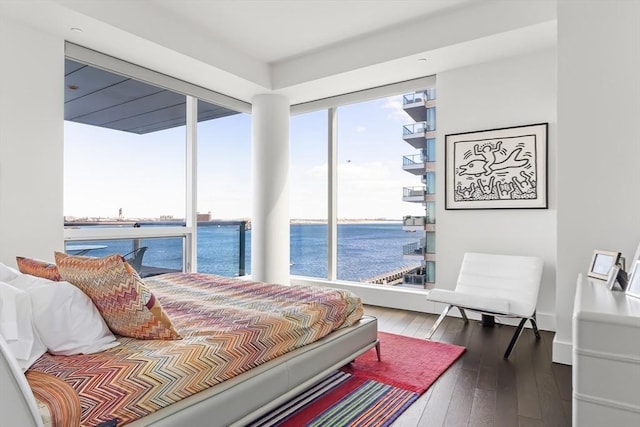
pixel 606 356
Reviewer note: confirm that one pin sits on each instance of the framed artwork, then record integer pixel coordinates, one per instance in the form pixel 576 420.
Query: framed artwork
pixel 601 263
pixel 497 169
pixel 633 287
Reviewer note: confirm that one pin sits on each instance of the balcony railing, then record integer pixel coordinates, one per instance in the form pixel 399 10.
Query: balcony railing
pixel 423 96
pixel 410 221
pixel 418 128
pixel 424 246
pixel 414 279
pixel 410 192
pixel 413 160
pixel 221 244
pixel 415 248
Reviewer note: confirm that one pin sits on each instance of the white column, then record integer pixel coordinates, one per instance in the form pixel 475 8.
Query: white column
pixel 270 166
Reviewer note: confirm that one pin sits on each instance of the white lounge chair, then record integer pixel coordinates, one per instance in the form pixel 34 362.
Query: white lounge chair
pixel 494 285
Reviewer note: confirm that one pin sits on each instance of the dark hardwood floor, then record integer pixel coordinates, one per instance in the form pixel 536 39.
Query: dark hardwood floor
pixel 481 388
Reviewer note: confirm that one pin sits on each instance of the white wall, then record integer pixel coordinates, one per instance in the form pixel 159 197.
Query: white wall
pixel 31 143
pixel 511 92
pixel 598 142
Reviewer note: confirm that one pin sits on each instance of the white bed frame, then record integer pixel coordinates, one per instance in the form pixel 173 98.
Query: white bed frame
pixel 234 402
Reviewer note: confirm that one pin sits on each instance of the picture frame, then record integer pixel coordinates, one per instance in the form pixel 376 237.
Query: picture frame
pixel 636 257
pixel 612 276
pixel 503 168
pixel 601 263
pixel 633 286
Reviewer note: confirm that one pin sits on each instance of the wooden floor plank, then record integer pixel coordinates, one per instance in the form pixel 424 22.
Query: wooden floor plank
pixel 481 388
pixel 483 409
pixel 462 399
pixel 527 387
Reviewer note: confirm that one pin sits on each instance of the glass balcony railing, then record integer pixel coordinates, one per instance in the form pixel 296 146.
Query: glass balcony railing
pixel 414 279
pixel 415 248
pixel 423 276
pixel 411 192
pixel 413 160
pixel 149 256
pixel 423 96
pixel 418 128
pixel 426 245
pixel 222 245
pixel 413 221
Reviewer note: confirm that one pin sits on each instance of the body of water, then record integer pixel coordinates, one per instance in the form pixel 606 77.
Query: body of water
pixel 364 250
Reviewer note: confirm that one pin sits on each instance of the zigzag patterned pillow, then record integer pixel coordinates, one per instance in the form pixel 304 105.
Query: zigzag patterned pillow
pixel 128 307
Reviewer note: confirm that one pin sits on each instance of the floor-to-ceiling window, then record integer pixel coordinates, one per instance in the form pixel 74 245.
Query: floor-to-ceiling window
pixel 130 169
pixel 368 191
pixel 370 182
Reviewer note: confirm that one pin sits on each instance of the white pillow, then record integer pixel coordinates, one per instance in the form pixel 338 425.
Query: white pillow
pixel 66 320
pixel 7 273
pixel 16 326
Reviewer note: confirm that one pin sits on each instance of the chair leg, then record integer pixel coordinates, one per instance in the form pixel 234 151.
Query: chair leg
pixel 515 337
pixel 440 319
pixel 534 325
pixel 378 349
pixel 463 314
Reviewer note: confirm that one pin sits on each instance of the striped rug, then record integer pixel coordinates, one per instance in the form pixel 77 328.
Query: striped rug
pixel 368 393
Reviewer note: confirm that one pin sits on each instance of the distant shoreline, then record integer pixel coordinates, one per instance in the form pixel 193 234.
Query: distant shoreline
pixel 115 221
pixel 347 221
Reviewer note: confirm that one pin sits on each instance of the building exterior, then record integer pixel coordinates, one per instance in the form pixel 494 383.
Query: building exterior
pixel 421 135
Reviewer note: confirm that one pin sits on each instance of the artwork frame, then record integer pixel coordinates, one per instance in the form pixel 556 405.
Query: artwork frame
pixel 602 262
pixel 503 168
pixel 633 286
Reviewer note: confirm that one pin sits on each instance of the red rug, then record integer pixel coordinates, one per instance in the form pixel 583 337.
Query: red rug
pixel 367 392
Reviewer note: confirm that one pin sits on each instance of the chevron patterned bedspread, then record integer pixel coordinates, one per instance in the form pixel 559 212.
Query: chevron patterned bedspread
pixel 228 327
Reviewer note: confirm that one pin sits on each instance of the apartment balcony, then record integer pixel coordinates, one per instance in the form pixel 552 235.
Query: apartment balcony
pixel 414 223
pixel 416 104
pixel 414 194
pixel 414 164
pixel 414 249
pixel 416 134
pixel 426 247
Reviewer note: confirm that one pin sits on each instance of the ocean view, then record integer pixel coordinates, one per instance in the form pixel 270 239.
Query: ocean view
pixel 365 250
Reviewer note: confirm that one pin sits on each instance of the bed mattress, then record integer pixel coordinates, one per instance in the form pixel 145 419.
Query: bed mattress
pixel 229 327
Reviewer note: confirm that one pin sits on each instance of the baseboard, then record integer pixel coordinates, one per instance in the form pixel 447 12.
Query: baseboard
pixel 412 300
pixel 562 352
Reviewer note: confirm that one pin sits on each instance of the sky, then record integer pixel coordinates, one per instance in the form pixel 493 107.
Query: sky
pixel 144 175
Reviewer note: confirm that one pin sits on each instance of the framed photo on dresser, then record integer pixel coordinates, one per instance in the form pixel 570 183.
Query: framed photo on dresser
pixel 633 286
pixel 612 276
pixel 601 263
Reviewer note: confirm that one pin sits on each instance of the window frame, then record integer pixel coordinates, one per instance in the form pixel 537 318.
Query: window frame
pixel 192 94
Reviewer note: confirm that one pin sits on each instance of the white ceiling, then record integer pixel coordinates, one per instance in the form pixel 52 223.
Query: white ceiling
pixel 274 30
pixel 303 49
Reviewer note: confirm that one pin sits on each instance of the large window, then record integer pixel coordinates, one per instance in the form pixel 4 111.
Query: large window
pixel 130 170
pixel 370 182
pixel 378 166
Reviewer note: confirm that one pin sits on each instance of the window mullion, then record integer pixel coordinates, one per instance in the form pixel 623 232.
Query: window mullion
pixel 191 200
pixel 332 214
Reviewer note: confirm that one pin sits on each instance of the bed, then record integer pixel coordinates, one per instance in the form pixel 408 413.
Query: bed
pixel 245 347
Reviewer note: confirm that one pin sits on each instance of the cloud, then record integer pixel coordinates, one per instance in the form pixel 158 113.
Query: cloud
pixel 396 110
pixel 361 129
